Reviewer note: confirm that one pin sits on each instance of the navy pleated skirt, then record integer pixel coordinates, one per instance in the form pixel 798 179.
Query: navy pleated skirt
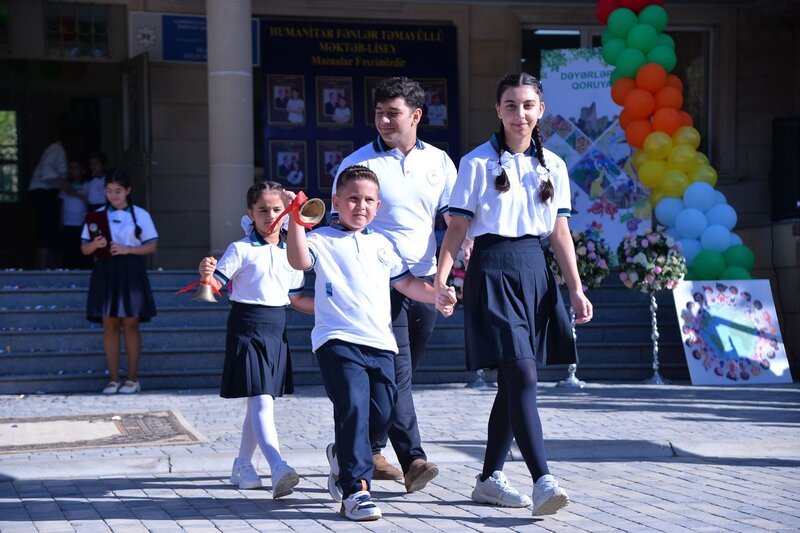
pixel 257 358
pixel 513 308
pixel 119 288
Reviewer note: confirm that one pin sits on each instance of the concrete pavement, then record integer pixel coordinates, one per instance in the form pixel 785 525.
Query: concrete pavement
pixel 633 458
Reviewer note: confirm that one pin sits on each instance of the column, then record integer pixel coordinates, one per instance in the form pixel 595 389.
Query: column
pixel 230 117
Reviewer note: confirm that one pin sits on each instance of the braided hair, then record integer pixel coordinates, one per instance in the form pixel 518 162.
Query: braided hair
pixel 254 192
pixel 119 177
pixel 501 182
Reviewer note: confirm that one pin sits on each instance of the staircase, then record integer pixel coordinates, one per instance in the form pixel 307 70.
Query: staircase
pixel 47 345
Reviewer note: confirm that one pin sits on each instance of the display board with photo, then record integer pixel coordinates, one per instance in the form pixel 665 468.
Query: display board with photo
pixel 286 99
pixel 434 111
pixel 288 163
pixel 329 157
pixel 334 100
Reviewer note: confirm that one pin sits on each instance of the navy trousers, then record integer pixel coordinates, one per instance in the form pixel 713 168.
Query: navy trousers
pixel 413 324
pixel 359 381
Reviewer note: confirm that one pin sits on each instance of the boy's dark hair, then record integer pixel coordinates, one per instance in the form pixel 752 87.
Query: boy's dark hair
pixel 122 179
pixel 400 87
pixel 257 188
pixel 355 173
pixel 522 79
pixel 100 156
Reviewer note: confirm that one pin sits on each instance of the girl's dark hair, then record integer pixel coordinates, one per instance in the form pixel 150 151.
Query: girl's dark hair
pixel 354 173
pixel 262 186
pixel 119 177
pixel 522 79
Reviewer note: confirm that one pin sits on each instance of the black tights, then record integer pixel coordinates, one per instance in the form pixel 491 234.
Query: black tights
pixel 515 415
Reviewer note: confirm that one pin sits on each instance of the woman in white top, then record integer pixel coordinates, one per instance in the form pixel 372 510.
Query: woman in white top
pixel 509 194
pixel 341 115
pixel 295 107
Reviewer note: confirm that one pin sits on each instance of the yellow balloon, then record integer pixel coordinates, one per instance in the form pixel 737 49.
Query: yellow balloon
pixel 701 158
pixel 656 195
pixel 682 157
pixel 639 157
pixel 651 172
pixel 673 183
pixel 657 145
pixel 687 135
pixel 704 173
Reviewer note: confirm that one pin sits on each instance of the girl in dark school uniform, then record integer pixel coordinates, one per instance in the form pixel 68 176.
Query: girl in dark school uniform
pixel 119 291
pixel 257 360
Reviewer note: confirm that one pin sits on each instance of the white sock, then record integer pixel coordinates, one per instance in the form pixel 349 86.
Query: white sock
pixel 262 423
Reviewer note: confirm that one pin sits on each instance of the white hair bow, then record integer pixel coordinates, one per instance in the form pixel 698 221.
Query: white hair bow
pixel 495 168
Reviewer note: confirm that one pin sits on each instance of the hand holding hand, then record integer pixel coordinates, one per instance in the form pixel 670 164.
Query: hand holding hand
pixel 119 249
pixel 446 300
pixel 100 242
pixel 207 267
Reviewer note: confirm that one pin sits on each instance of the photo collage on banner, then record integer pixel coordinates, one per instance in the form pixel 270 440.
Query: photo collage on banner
pixel 580 124
pixel 319 92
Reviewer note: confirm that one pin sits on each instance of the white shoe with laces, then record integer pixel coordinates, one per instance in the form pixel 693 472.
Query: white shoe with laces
pixel 496 490
pixel 548 497
pixel 284 478
pixel 333 476
pixel 359 507
pixel 244 475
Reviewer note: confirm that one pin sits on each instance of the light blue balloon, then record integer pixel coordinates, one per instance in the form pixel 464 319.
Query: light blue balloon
pixel 722 214
pixel 735 239
pixel 690 223
pixel 716 237
pixel 672 232
pixel 667 210
pixel 699 195
pixel 719 198
pixel 690 248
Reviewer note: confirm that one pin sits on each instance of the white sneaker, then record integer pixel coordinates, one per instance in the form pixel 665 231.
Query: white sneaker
pixel 112 387
pixel 359 506
pixel 130 387
pixel 496 490
pixel 284 478
pixel 548 497
pixel 244 475
pixel 333 476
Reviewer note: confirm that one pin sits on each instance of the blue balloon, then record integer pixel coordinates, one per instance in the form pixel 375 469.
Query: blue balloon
pixel 690 223
pixel 672 232
pixel 690 248
pixel 722 214
pixel 735 239
pixel 716 237
pixel 719 198
pixel 699 195
pixel 668 209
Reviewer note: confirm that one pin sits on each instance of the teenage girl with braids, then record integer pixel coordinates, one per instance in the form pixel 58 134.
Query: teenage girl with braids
pixel 510 193
pixel 119 291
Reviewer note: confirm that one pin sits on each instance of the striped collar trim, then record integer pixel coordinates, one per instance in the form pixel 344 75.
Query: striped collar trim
pixel 258 240
pixel 498 147
pixel 380 146
pixel 340 227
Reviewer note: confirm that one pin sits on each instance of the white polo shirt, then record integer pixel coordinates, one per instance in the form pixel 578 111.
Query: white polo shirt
pixel 414 188
pixel 52 164
pixel 123 230
pixel 258 272
pixel 517 211
pixel 354 271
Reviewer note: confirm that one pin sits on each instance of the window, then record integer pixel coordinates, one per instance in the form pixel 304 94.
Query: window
pixel 9 157
pixel 76 30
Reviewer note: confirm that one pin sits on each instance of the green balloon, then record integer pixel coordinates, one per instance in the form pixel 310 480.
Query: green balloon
pixel 740 256
pixel 654 15
pixel 665 40
pixel 734 272
pixel 663 56
pixel 615 75
pixel 620 22
pixel 690 275
pixel 605 36
pixel 629 61
pixel 642 37
pixel 612 49
pixel 708 264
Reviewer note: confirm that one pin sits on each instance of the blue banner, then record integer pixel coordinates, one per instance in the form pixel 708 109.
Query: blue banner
pixel 319 81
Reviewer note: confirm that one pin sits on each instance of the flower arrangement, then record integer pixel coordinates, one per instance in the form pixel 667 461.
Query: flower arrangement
pixel 650 262
pixel 592 254
pixel 457 275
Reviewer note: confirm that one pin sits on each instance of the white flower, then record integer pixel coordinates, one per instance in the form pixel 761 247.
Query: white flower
pixel 495 168
pixel 640 258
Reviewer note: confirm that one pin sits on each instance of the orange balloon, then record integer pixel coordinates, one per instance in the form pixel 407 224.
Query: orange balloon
pixel 667 120
pixel 621 88
pixel 669 97
pixel 651 77
pixel 674 81
pixel 624 118
pixel 640 104
pixel 687 119
pixel 637 131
